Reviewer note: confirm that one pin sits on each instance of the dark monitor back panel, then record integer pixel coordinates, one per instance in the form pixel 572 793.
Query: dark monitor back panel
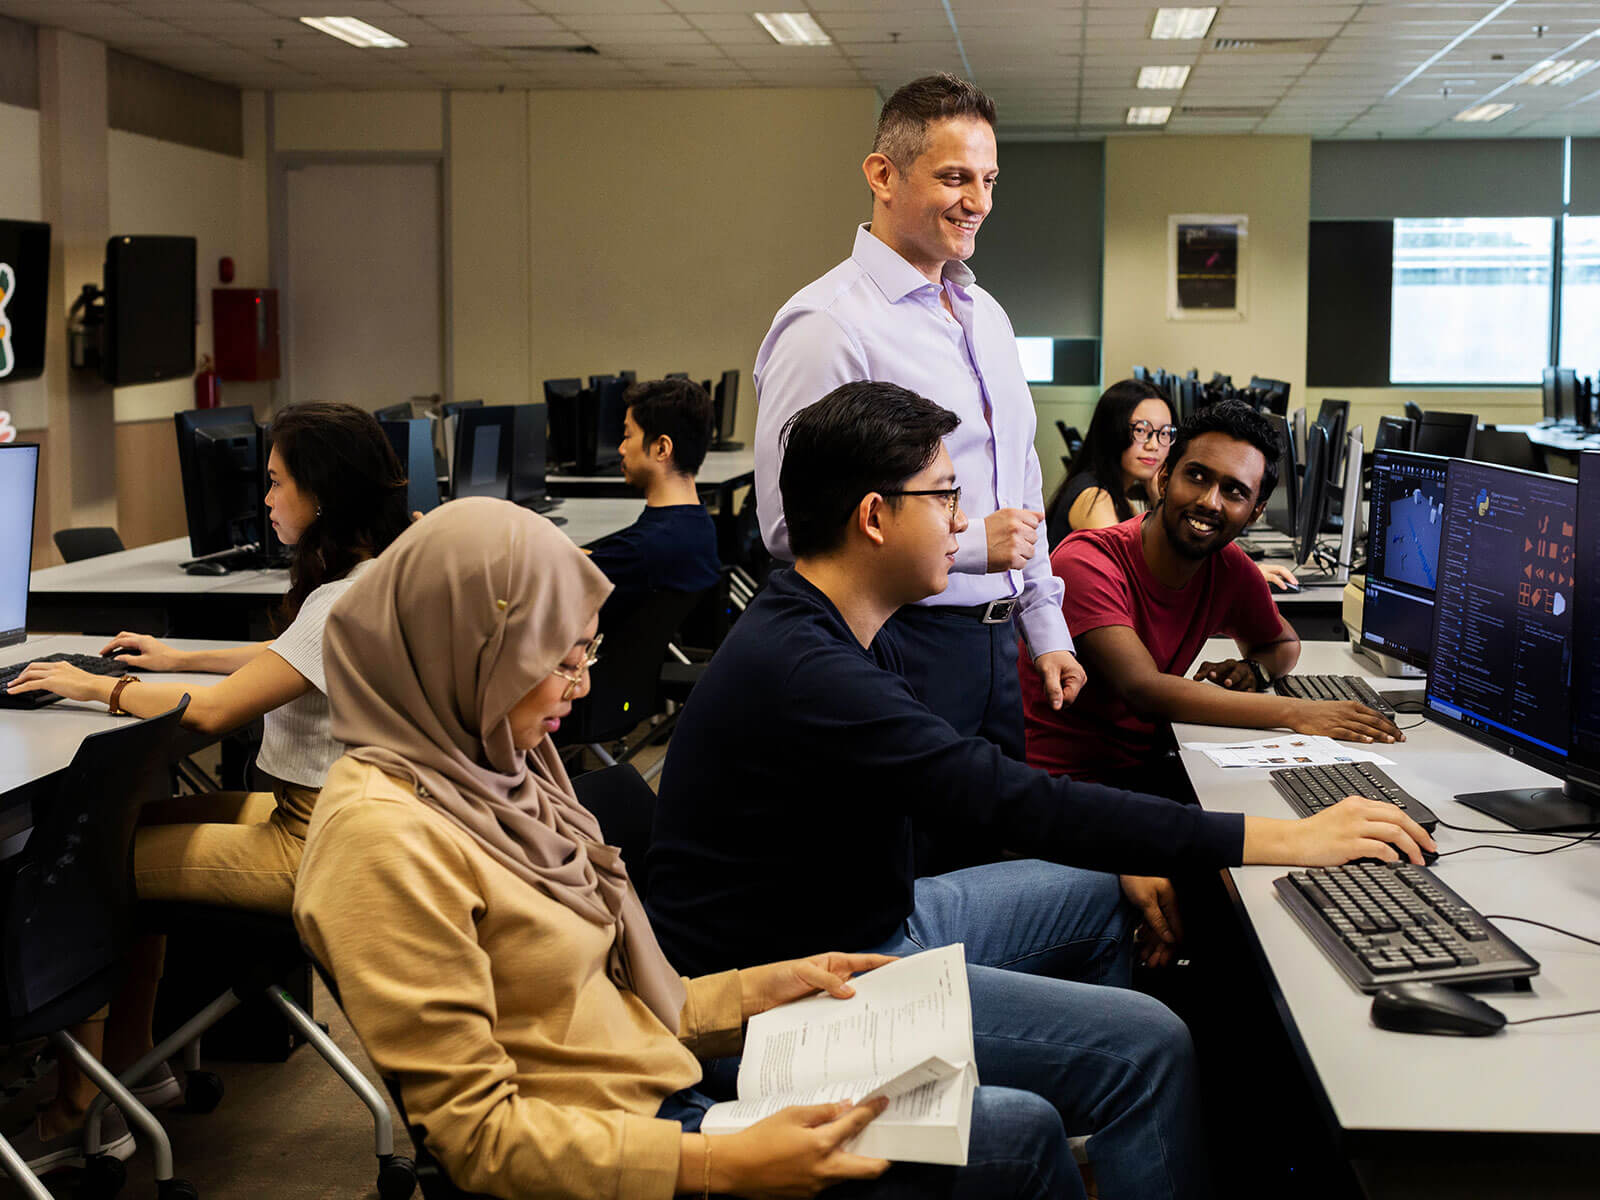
pixel 1403 554
pixel 413 445
pixel 561 402
pixel 1446 433
pixel 1394 433
pixel 483 452
pixel 219 459
pixel 1500 665
pixel 529 459
pixel 1550 395
pixel 1280 511
pixel 601 426
pixel 1585 763
pixel 1334 416
pixel 725 401
pixel 24 298
pixel 1313 499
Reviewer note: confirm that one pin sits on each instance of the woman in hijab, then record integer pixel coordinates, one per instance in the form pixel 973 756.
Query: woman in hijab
pixel 489 948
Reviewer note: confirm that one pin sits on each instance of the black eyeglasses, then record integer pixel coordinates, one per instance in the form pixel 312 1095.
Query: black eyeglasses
pixel 952 497
pixel 1141 431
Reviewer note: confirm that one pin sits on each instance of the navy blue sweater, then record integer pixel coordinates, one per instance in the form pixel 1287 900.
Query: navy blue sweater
pixel 672 547
pixel 783 825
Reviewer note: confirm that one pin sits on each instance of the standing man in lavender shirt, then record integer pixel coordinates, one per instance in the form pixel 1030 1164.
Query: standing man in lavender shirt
pixel 904 309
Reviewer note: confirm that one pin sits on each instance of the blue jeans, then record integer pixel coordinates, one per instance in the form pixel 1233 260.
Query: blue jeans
pixel 1017 1151
pixel 1049 957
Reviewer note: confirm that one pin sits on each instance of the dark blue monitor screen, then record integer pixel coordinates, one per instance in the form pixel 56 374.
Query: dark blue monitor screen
pixel 1403 554
pixel 1502 633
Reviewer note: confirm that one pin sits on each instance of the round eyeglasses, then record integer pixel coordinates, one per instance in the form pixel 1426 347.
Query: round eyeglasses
pixel 1142 431
pixel 574 675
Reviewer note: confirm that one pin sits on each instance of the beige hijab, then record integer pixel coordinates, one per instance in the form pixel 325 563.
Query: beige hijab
pixel 427 653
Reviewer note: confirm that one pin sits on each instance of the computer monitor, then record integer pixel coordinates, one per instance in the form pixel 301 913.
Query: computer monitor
pixel 484 438
pixel 1394 433
pixel 1142 374
pixel 1318 496
pixel 1403 555
pixel 528 458
pixel 1275 393
pixel 394 412
pixel 1567 393
pixel 1188 391
pixel 1583 767
pixel 1333 416
pixel 456 407
pixel 413 445
pixel 1501 649
pixel 222 459
pixel 1550 397
pixel 600 413
pixel 1298 425
pixel 672 375
pixel 19 487
pixel 24 298
pixel 561 403
pixel 725 406
pixel 1313 494
pixel 1281 508
pixel 628 376
pixel 150 289
pixel 1447 433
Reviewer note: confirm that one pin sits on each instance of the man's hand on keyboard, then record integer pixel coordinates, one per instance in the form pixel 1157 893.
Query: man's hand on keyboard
pixel 1357 828
pixel 63 679
pixel 1345 720
pixel 143 652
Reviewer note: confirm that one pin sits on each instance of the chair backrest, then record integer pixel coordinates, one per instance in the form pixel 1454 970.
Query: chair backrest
pixel 67 896
pixel 1414 411
pixel 624 686
pixel 90 541
pixel 625 806
pixel 1507 448
pixel 1448 433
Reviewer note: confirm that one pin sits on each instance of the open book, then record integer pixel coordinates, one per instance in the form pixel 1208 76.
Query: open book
pixel 905 1034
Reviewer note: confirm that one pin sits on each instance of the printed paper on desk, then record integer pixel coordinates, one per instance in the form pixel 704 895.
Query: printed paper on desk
pixel 1288 750
pixel 905 1034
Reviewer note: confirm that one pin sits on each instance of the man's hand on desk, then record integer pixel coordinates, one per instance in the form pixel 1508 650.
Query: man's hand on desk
pixel 1353 828
pixel 1232 673
pixel 1012 534
pixel 1063 676
pixel 1161 929
pixel 1346 720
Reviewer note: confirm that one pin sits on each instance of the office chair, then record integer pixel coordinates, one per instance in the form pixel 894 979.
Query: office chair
pixel 68 902
pixel 1071 436
pixel 88 541
pixel 625 685
pixel 1508 449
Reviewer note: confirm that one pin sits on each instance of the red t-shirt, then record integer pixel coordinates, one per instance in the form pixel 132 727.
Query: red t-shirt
pixel 1109 583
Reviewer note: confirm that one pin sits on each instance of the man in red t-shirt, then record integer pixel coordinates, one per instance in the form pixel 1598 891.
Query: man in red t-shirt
pixel 1143 596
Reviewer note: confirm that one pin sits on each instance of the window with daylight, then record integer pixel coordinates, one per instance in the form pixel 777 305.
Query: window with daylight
pixel 1580 295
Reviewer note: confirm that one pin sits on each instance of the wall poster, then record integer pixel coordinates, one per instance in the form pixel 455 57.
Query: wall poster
pixel 1206 267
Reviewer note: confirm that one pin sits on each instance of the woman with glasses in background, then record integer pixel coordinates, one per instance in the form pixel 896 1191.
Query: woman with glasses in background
pixel 1113 475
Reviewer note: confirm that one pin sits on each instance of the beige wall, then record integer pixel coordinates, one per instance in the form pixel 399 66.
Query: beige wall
pixel 20 200
pixel 669 226
pixel 358 121
pixel 164 188
pixel 1150 178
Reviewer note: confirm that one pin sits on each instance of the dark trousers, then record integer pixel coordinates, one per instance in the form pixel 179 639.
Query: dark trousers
pixel 966 672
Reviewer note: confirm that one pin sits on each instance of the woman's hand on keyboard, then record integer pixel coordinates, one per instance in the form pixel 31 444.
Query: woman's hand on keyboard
pixel 144 652
pixel 63 679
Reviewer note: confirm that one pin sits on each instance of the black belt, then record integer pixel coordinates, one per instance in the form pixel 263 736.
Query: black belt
pixel 996 612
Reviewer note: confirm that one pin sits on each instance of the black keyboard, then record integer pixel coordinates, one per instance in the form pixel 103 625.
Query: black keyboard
pixel 1395 923
pixel 1309 790
pixel 92 663
pixel 1332 687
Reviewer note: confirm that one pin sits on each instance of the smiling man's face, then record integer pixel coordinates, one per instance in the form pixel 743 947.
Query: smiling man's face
pixel 937 203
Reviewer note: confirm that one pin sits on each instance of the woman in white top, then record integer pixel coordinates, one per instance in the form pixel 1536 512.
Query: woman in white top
pixel 337 494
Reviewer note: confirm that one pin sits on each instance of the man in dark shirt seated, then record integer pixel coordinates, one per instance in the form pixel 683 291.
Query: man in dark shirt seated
pixel 785 811
pixel 1143 596
pixel 673 545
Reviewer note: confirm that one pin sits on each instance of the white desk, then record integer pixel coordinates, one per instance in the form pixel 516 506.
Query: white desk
pixel 720 468
pixel 1534 1080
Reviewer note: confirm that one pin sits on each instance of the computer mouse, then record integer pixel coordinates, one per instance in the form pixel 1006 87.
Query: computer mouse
pixel 1429 857
pixel 1434 1008
pixel 1282 587
pixel 205 568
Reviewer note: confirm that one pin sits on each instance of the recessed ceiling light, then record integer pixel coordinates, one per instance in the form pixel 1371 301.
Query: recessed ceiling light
pixel 1167 78
pixel 1484 112
pixel 793 28
pixel 1151 115
pixel 1557 73
pixel 356 32
pixel 1187 23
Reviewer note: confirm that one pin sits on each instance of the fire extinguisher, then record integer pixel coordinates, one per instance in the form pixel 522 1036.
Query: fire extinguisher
pixel 207 389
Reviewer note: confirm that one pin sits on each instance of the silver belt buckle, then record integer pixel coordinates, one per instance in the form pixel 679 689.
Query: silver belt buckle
pixel 999 611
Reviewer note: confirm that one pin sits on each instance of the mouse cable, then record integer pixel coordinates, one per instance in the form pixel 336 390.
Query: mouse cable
pixel 1571 840
pixel 1587 1012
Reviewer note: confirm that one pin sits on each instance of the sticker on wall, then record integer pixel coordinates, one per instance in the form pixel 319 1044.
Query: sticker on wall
pixel 1206 267
pixel 8 432
pixel 8 360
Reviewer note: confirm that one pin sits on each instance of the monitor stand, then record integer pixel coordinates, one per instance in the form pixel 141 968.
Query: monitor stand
pixel 1538 810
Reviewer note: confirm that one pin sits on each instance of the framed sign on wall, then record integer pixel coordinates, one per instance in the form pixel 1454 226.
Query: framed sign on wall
pixel 1207 266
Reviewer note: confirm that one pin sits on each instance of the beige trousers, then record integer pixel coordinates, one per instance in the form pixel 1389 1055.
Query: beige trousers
pixel 240 849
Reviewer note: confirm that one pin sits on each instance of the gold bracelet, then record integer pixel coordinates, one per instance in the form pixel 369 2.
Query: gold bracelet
pixel 705 1181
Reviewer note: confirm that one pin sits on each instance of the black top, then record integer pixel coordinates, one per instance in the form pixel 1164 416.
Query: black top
pixel 669 548
pixel 783 824
pixel 1057 524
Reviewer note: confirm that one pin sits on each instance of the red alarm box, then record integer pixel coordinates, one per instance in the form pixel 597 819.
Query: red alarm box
pixel 244 332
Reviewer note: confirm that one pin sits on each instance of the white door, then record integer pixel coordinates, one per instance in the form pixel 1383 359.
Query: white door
pixel 363 294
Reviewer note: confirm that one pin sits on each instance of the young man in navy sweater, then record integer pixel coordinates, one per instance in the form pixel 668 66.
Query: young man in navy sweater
pixel 673 544
pixel 785 810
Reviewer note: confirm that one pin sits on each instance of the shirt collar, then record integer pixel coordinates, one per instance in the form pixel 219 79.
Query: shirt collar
pixel 895 277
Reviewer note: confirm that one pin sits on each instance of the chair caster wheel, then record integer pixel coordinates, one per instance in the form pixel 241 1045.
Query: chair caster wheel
pixel 397 1177
pixel 103 1177
pixel 176 1189
pixel 202 1091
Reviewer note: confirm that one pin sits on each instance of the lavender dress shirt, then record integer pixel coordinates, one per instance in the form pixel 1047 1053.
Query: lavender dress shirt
pixel 875 316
